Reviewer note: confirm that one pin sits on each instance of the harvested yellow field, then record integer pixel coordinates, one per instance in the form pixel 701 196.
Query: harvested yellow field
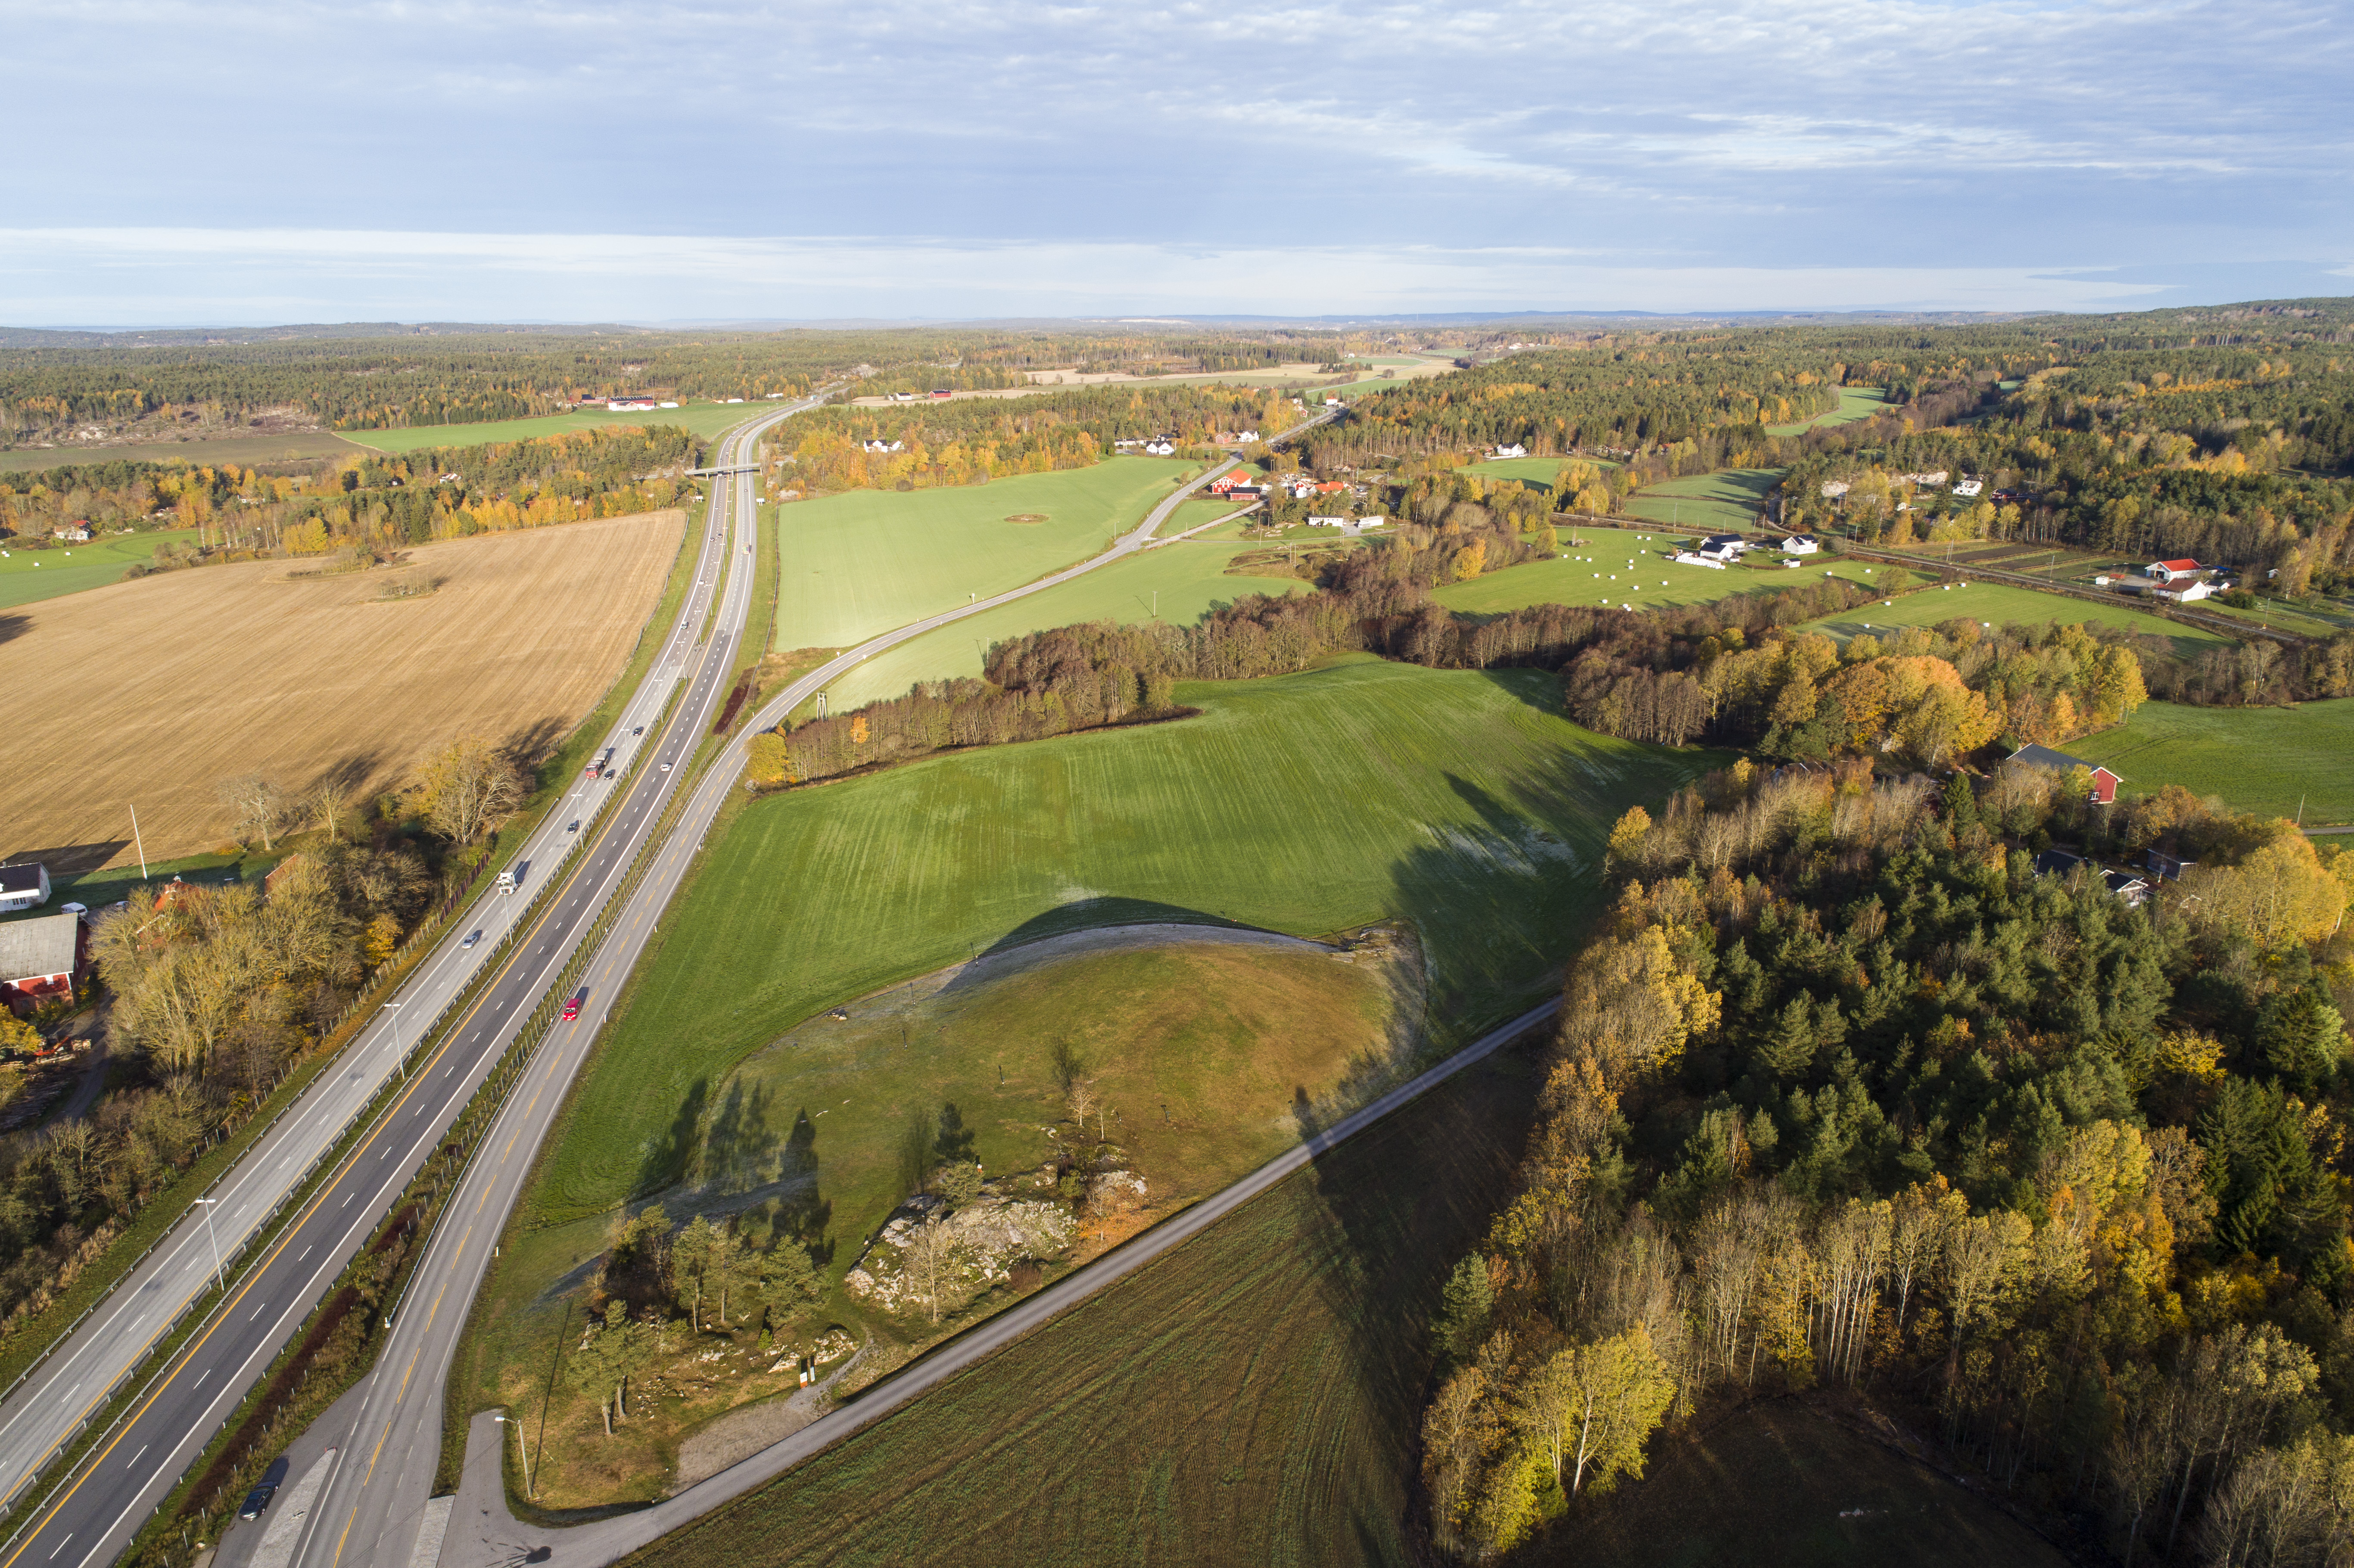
pixel 155 692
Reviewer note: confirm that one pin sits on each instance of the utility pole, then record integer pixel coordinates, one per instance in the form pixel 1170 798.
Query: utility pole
pixel 398 1054
pixel 140 841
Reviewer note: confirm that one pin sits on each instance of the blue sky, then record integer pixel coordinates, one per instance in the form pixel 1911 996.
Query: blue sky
pixel 231 163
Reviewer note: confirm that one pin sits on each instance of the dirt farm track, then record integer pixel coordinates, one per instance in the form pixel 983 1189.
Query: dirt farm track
pixel 157 690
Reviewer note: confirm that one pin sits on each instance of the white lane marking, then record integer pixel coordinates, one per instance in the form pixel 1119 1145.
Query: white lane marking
pixel 59 1547
pixel 307 1251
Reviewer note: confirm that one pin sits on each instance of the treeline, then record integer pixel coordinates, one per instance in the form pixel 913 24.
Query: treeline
pixel 370 501
pixel 446 492
pixel 1847 1094
pixel 2229 456
pixel 983 439
pixel 1375 599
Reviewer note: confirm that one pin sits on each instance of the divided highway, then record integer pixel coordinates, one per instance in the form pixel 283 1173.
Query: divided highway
pixel 371 1503
pixel 374 1500
pixel 94 1509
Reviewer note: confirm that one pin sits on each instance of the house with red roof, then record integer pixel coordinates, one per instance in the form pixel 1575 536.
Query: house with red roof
pixel 2167 571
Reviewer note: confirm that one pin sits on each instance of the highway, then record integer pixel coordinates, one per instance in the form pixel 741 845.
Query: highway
pixel 92 1511
pixel 370 1505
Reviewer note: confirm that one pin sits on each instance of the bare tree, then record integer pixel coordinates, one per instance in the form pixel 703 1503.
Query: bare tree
pixel 930 1254
pixel 330 797
pixel 257 802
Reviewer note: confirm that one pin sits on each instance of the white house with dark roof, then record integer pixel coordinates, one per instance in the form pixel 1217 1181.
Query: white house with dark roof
pixel 24 886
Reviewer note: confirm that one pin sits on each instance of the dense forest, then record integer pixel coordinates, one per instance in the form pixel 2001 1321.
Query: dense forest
pixel 365 502
pixel 1847 1094
pixel 126 384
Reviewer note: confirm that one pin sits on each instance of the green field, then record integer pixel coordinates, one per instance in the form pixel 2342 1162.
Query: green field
pixel 1855 403
pixel 1998 603
pixel 1593 575
pixel 1250 1398
pixel 2259 759
pixel 1189 576
pixel 295 447
pixel 1536 472
pixel 703 419
pixel 28 576
pixel 1727 500
pixel 858 564
pixel 1307 804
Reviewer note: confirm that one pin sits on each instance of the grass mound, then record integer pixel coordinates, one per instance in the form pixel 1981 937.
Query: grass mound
pixel 1249 1398
pixel 1026 518
pixel 1462 800
pixel 1210 1051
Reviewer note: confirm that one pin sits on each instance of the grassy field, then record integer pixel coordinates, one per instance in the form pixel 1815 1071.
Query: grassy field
pixel 28 575
pixel 1855 403
pixel 324 676
pixel 1311 803
pixel 1201 1048
pixel 1536 472
pixel 292 447
pixel 703 419
pixel 1189 578
pixel 1999 603
pixel 1727 500
pixel 1250 1398
pixel 858 564
pixel 1595 575
pixel 2259 759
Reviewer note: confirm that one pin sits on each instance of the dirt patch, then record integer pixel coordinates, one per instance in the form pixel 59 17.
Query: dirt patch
pixel 161 688
pixel 1026 517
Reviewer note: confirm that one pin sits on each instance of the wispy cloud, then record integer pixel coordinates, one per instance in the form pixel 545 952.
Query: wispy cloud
pixel 1897 140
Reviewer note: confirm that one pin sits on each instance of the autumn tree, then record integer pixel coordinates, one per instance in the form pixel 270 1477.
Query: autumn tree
pixel 466 787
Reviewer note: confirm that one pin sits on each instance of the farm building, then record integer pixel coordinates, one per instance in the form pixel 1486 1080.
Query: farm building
pixel 1722 546
pixel 1969 487
pixel 2165 864
pixel 2104 783
pixel 1514 450
pixel 2167 571
pixel 1801 545
pixel 1160 447
pixel 1233 478
pixel 24 886
pixel 39 961
pixel 1693 558
pixel 630 404
pixel 72 533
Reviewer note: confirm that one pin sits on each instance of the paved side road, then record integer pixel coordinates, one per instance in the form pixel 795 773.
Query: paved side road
pixel 93 1510
pixel 484 1534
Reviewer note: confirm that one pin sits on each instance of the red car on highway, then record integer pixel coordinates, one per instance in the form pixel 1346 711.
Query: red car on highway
pixel 572 1007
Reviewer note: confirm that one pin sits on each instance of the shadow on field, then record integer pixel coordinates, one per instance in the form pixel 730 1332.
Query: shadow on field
pixel 1086 914
pixel 71 860
pixel 13 626
pixel 1397 1206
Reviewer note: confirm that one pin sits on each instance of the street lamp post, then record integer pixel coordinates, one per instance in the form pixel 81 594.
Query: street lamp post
pixel 398 1054
pixel 220 1275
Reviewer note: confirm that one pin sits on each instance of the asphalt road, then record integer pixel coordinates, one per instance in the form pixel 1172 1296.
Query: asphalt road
pixel 373 1500
pixel 370 1502
pixel 93 1510
pixel 484 1534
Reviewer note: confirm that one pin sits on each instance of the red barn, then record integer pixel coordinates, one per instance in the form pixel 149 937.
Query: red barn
pixel 39 961
pixel 2104 783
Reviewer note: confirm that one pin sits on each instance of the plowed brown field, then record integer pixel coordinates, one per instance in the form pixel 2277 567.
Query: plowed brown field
pixel 153 692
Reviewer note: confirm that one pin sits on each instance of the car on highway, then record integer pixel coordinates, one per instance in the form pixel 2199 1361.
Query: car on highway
pixel 257 1500
pixel 575 827
pixel 640 730
pixel 472 936
pixel 571 1007
pixel 666 766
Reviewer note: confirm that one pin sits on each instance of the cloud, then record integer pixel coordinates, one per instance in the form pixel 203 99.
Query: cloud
pixel 1899 138
pixel 92 276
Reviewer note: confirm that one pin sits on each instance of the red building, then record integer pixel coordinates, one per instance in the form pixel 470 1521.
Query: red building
pixel 40 959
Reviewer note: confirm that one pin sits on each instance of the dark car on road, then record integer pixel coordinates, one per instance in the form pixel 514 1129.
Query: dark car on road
pixel 257 1500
